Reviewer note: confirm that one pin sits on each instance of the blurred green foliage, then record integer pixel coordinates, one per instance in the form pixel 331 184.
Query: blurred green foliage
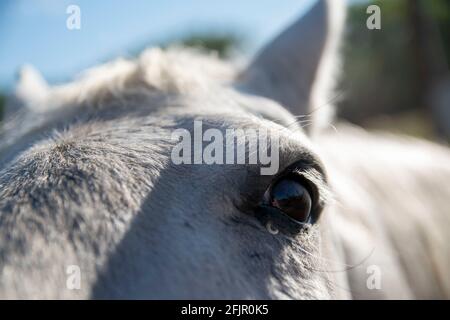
pixel 378 74
pixel 440 11
pixel 223 44
pixel 383 74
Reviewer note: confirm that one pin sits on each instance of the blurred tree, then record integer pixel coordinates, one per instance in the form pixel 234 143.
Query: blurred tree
pixel 376 62
pixel 390 71
pixel 223 44
pixel 440 11
pixel 432 72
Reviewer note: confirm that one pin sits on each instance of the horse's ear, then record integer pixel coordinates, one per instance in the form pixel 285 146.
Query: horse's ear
pixel 298 67
pixel 31 88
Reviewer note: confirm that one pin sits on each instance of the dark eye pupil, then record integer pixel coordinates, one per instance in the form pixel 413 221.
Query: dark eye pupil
pixel 292 198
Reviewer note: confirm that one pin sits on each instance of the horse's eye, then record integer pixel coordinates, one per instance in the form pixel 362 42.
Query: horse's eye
pixel 292 198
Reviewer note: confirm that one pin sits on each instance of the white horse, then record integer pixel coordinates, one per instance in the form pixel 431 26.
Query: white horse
pixel 92 205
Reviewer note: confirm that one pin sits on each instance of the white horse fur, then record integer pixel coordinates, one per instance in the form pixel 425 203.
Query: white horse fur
pixel 86 179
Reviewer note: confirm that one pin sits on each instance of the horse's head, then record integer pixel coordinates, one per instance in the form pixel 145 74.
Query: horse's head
pixel 134 174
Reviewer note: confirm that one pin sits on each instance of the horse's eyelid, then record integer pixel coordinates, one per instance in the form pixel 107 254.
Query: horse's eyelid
pixel 318 181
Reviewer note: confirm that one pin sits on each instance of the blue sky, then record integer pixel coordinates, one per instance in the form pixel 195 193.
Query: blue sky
pixel 34 32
